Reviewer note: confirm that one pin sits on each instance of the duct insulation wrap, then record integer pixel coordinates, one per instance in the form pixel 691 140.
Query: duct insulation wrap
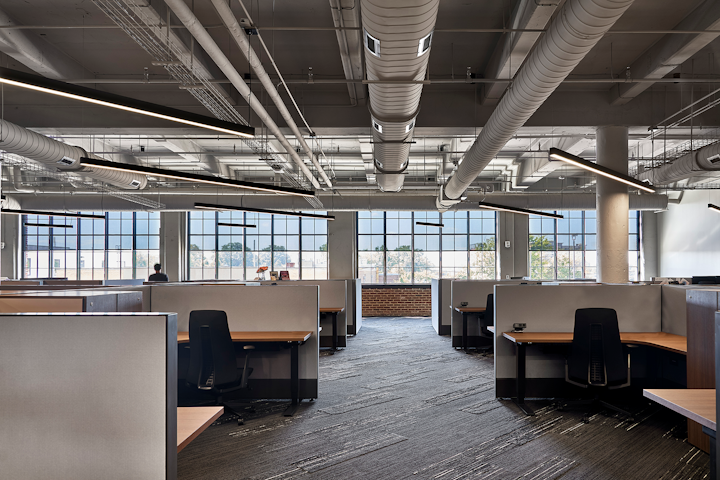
pixel 704 162
pixel 54 154
pixel 574 31
pixel 397 35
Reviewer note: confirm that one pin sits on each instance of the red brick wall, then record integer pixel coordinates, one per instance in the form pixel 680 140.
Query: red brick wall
pixel 396 302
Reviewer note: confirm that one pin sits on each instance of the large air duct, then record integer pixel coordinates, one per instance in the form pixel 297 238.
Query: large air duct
pixel 576 29
pixel 704 162
pixel 54 154
pixel 397 35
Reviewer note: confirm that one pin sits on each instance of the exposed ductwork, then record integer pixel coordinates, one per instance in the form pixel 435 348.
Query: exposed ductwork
pixel 704 162
pixel 576 29
pixel 397 36
pixel 54 154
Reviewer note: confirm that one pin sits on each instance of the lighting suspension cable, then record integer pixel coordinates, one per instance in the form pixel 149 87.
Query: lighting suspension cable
pixel 524 211
pixel 51 214
pixel 210 206
pixel 191 177
pixel 97 97
pixel 557 154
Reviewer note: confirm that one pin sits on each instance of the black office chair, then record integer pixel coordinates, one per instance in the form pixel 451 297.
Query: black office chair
pixel 486 319
pixel 213 363
pixel 597 360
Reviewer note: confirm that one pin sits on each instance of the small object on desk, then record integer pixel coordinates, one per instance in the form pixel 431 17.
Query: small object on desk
pixel 273 275
pixel 463 304
pixel 261 271
pixel 284 275
pixel 519 327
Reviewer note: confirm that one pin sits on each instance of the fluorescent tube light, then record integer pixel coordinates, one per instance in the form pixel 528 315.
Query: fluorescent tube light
pixel 84 94
pixel 52 214
pixel 191 177
pixel 240 225
pixel 210 206
pixel 428 224
pixel 714 207
pixel 524 211
pixel 557 154
pixel 49 225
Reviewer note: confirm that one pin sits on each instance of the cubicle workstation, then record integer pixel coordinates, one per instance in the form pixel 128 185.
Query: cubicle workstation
pixel 475 293
pixel 71 301
pixel 272 308
pixel 88 395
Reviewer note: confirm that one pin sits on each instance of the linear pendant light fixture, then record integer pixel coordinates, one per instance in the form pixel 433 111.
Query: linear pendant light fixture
pixel 49 225
pixel 714 207
pixel 52 214
pixel 210 206
pixel 524 211
pixel 191 177
pixel 429 224
pixel 557 154
pixel 239 225
pixel 84 94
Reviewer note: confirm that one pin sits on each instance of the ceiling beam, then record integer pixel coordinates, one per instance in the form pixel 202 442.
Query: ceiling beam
pixel 350 43
pixel 534 167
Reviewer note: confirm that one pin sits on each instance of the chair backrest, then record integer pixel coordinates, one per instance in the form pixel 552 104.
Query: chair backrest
pixel 488 318
pixel 597 356
pixel 212 354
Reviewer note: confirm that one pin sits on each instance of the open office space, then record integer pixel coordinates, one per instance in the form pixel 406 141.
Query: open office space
pixel 403 239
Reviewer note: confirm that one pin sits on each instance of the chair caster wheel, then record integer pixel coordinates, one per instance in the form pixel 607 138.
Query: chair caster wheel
pixel 586 419
pixel 241 422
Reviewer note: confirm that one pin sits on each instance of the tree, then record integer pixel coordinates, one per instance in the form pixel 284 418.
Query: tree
pixel 542 266
pixel 482 260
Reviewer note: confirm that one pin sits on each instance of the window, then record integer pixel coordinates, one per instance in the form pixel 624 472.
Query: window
pixel 565 249
pixel 279 242
pixel 393 249
pixel 125 245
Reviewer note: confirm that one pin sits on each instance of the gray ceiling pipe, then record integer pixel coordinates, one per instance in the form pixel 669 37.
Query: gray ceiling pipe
pixel 228 17
pixel 573 32
pixel 188 18
pixel 397 35
pixel 54 154
pixel 704 162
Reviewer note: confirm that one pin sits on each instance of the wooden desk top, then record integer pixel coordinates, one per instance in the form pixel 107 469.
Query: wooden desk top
pixel 332 310
pixel 695 404
pixel 470 309
pixel 666 341
pixel 192 421
pixel 491 328
pixel 184 337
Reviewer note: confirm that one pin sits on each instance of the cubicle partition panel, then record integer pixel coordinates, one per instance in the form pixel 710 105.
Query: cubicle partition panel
pixel 355 293
pixel 255 309
pixel 551 308
pixel 88 396
pixel 441 314
pixel 475 293
pixel 71 301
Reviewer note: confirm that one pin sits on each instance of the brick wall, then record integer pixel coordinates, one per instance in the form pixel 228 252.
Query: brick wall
pixel 396 302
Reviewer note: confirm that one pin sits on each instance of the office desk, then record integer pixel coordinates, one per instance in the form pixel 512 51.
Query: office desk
pixel 467 311
pixel 293 339
pixel 192 421
pixel 333 312
pixel 662 340
pixel 695 404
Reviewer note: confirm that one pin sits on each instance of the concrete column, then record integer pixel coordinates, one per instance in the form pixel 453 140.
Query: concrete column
pixel 649 265
pixel 342 251
pixel 612 206
pixel 513 228
pixel 10 265
pixel 172 245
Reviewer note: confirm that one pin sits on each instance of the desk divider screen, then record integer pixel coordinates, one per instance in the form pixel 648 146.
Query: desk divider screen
pixel 88 396
pixel 551 308
pixel 256 309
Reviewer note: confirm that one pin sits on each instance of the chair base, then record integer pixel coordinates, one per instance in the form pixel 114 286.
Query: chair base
pixel 594 402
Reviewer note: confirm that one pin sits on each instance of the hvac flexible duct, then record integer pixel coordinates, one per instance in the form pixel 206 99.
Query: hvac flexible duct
pixel 188 18
pixel 694 164
pixel 52 153
pixel 579 25
pixel 397 36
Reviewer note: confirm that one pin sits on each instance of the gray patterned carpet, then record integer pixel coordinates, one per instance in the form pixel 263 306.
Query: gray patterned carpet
pixel 400 403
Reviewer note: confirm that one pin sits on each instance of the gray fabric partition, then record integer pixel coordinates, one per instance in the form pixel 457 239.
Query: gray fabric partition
pixel 354 306
pixel 88 396
pixel 551 308
pixel 674 309
pixel 440 291
pixel 474 292
pixel 256 308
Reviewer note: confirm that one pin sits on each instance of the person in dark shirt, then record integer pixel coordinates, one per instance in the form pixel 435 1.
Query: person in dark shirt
pixel 157 276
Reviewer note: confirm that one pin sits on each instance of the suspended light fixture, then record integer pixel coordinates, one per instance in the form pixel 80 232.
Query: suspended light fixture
pixel 84 94
pixel 524 211
pixel 49 225
pixel 557 154
pixel 52 214
pixel 713 207
pixel 239 225
pixel 428 224
pixel 210 206
pixel 191 177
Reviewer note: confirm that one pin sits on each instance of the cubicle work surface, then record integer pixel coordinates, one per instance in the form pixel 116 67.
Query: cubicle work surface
pixel 88 395
pixel 272 308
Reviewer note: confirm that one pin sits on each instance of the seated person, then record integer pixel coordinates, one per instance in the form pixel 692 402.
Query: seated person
pixel 157 276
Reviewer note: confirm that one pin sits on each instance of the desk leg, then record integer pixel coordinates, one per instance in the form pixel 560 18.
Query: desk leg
pixel 294 381
pixel 334 333
pixel 520 380
pixel 713 461
pixel 464 337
